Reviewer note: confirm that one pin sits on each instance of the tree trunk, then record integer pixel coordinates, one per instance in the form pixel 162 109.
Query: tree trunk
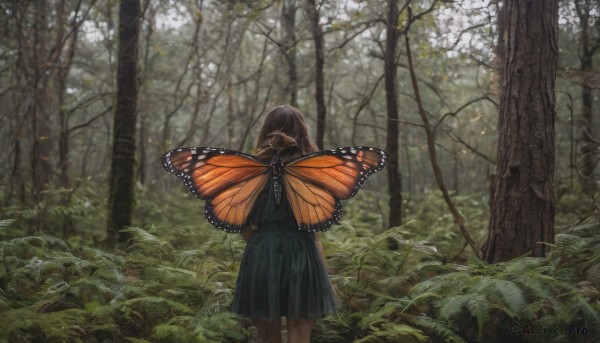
pixel 499 49
pixel 391 96
pixel 41 102
pixel 586 58
pixel 63 139
pixel 317 33
pixel 143 103
pixel 288 23
pixel 522 208
pixel 16 181
pixel 121 183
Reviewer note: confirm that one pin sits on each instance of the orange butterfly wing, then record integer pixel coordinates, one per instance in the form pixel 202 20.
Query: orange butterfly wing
pixel 314 183
pixel 228 180
pixel 314 208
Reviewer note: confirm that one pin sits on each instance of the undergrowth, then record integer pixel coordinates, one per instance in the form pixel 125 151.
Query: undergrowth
pixel 174 283
pixel 151 292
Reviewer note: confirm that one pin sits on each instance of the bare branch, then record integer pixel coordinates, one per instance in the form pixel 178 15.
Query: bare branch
pixel 93 119
pixel 457 138
pixel 459 220
pixel 465 105
pixel 368 25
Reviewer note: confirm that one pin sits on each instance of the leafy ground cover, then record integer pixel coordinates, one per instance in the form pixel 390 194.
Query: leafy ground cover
pixel 175 282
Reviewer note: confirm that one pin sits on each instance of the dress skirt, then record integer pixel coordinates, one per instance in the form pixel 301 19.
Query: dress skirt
pixel 282 272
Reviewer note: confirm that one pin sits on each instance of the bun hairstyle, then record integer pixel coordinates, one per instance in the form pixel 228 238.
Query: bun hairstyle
pixel 284 131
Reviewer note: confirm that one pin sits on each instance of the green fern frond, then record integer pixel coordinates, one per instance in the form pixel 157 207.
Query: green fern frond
pixel 42 241
pixel 182 258
pixel 98 310
pixel 153 303
pixel 58 326
pixel 337 328
pixel 94 254
pixel 478 308
pixel 168 333
pixel 420 297
pixel 94 288
pixel 136 340
pixel 452 305
pixel 521 265
pixel 569 243
pixel 220 327
pixel 533 286
pixel 456 281
pixel 5 223
pixel 218 302
pixel 146 241
pixel 106 270
pixel 394 332
pixel 395 284
pixel 168 274
pixel 39 269
pixel 583 306
pixel 380 316
pixel 593 273
pixel 511 294
pixel 441 328
pixel 417 271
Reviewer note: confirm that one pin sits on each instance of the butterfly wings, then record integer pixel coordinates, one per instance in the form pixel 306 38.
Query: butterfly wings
pixel 231 181
pixel 228 180
pixel 316 182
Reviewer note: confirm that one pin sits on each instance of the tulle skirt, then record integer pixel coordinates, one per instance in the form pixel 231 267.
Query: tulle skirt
pixel 282 274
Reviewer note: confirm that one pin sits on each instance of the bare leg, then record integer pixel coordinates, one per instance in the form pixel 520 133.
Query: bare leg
pixel 268 331
pixel 298 330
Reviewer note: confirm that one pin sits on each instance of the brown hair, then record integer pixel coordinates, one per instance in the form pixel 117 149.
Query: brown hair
pixel 284 131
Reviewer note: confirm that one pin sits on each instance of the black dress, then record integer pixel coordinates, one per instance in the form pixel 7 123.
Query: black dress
pixel 282 272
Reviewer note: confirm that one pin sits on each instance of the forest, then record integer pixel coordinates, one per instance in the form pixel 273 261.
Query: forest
pixel 483 227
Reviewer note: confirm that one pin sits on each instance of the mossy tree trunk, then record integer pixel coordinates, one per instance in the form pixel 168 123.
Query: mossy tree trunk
pixel 121 183
pixel 522 207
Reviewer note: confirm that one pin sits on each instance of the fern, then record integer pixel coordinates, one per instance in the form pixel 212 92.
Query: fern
pixel 113 297
pixel 440 328
pixel 338 328
pixel 183 258
pixel 394 332
pixel 172 334
pixel 511 294
pixel 156 304
pixel 176 283
pixel 147 242
pixel 220 327
pixel 478 308
pixel 453 305
pixel 26 325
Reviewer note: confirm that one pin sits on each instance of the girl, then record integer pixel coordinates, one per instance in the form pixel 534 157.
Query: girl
pixel 282 272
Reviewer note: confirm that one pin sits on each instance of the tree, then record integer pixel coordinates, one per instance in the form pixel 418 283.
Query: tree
pixel 588 48
pixel 391 97
pixel 121 182
pixel 288 48
pixel 41 104
pixel 522 207
pixel 317 33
